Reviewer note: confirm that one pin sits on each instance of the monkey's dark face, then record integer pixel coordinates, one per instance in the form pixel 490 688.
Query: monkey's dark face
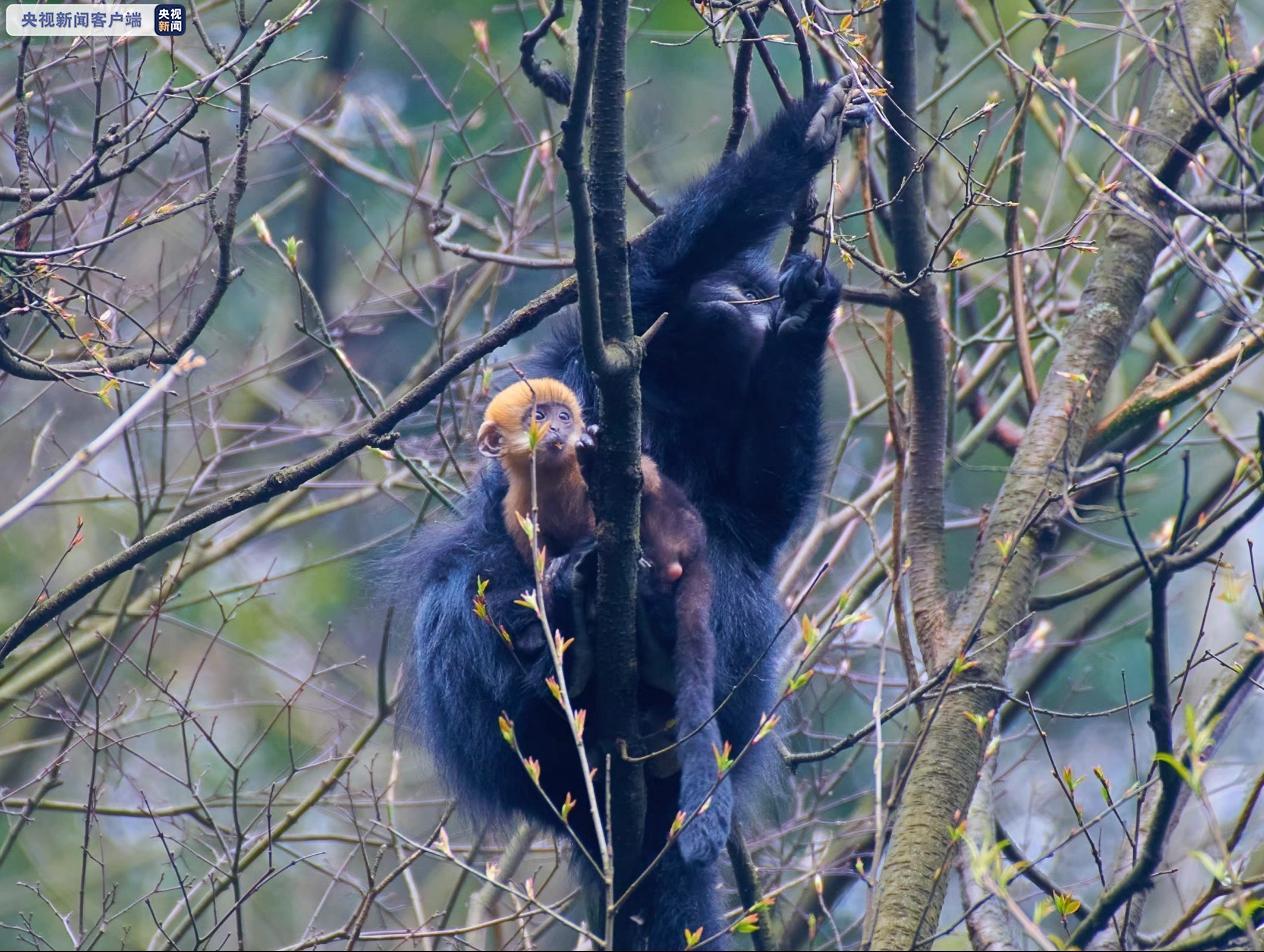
pixel 733 310
pixel 741 296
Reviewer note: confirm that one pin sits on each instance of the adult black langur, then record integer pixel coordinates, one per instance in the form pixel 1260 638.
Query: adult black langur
pixel 731 389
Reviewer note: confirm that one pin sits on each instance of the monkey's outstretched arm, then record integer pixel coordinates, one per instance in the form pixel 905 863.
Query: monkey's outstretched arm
pixel 779 452
pixel 742 202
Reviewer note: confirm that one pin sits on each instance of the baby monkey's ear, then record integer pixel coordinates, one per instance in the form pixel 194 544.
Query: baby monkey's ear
pixel 491 442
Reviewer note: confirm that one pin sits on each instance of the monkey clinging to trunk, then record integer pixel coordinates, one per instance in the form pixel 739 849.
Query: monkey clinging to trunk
pixel 673 543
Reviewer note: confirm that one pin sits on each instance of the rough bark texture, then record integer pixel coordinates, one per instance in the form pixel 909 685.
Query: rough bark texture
pixel 942 780
pixel 617 496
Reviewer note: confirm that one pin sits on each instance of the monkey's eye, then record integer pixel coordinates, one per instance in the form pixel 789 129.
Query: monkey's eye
pixel 539 415
pixel 564 416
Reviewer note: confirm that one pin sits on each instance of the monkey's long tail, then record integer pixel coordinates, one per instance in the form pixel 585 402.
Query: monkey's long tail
pixel 704 835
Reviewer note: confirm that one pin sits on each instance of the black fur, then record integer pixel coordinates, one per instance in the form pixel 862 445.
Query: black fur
pixel 732 392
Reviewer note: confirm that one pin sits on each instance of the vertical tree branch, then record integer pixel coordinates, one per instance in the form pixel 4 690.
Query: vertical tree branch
pixel 340 55
pixel 571 154
pixel 1161 813
pixel 801 44
pixel 613 354
pixel 1014 241
pixel 1164 808
pixel 746 878
pixel 741 77
pixel 22 148
pixel 928 424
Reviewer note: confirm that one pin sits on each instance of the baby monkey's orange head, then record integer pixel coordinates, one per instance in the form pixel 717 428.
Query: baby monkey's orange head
pixel 543 411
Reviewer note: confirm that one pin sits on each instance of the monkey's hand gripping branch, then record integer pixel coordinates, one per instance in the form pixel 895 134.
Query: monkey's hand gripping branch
pixel 809 294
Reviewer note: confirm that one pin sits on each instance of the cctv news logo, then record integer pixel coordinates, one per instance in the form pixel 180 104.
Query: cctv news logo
pixel 114 18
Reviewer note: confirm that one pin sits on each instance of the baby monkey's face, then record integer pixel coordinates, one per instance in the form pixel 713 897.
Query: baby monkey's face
pixel 557 431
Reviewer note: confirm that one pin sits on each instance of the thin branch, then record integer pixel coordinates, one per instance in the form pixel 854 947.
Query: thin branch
pixel 801 44
pixel 751 29
pixel 741 77
pixel 746 877
pixel 157 390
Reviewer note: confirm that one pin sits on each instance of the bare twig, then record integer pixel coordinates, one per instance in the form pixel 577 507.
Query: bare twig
pixel 188 363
